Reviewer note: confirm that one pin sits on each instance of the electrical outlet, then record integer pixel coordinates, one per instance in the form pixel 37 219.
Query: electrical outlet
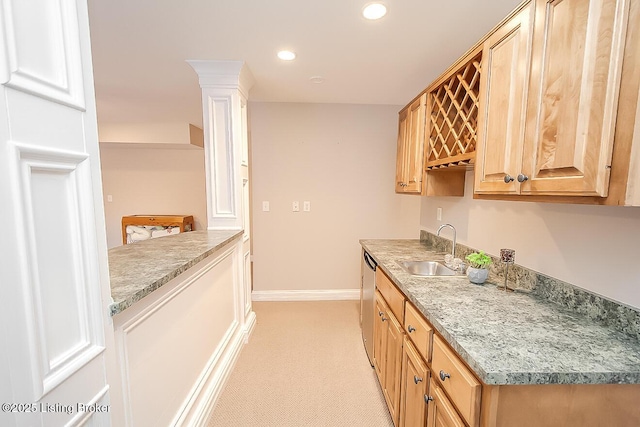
pixel 306 206
pixel 296 206
pixel 265 206
pixel 439 214
pixel 109 198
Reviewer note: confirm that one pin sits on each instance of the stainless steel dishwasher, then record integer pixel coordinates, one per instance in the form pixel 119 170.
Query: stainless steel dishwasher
pixel 367 302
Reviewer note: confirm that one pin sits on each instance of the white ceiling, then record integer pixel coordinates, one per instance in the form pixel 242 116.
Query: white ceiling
pixel 140 47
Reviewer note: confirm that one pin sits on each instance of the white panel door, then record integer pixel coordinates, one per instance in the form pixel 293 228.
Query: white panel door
pixel 55 332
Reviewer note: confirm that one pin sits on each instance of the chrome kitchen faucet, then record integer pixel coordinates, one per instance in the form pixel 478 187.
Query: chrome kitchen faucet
pixel 453 250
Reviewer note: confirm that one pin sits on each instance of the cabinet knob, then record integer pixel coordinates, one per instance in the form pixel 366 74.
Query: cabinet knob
pixel 444 375
pixel 522 178
pixel 384 318
pixel 410 328
pixel 416 379
pixel 508 178
pixel 427 399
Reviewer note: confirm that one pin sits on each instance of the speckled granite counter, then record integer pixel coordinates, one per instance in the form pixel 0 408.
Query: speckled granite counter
pixel 140 268
pixel 515 337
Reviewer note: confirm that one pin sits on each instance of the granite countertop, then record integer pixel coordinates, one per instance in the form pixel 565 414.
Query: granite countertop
pixel 140 268
pixel 514 337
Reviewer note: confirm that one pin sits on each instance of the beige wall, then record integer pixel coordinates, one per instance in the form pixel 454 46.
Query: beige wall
pixel 152 181
pixel 593 247
pixel 341 158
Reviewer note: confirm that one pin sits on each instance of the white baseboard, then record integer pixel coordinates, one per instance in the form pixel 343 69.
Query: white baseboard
pixel 300 295
pixel 212 382
pixel 249 326
pixel 215 378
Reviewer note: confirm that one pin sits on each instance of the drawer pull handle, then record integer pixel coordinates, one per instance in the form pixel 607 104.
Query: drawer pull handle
pixel 427 399
pixel 444 375
pixel 410 328
pixel 416 379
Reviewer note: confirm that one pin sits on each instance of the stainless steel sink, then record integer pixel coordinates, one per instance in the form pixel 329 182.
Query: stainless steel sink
pixel 426 268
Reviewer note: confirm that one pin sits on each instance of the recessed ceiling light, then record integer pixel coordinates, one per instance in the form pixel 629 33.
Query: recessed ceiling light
pixel 374 11
pixel 317 80
pixel 286 55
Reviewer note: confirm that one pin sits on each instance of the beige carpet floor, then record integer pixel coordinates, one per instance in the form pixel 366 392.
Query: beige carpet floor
pixel 304 365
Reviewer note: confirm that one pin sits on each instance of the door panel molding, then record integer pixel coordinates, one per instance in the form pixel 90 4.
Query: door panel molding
pixel 58 265
pixel 42 51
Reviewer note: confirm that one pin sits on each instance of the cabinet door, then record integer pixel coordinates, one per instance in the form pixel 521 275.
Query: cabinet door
pixel 415 146
pixel 393 366
pixel 410 155
pixel 380 338
pixel 505 64
pixel 403 134
pixel 441 412
pixel 573 94
pixel 414 387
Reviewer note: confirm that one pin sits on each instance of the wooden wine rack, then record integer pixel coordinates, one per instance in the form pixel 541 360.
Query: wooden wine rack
pixel 453 116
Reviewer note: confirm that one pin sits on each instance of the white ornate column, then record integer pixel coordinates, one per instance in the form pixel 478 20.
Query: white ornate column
pixel 225 90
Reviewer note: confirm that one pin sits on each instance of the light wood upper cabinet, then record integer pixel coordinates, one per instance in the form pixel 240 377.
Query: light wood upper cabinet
pixel 505 61
pixel 409 159
pixel 452 114
pixel 403 122
pixel 571 97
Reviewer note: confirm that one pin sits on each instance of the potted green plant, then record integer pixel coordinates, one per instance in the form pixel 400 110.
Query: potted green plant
pixel 479 263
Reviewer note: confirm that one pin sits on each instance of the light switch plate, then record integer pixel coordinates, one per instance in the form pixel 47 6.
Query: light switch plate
pixel 296 206
pixel 109 198
pixel 265 206
pixel 439 214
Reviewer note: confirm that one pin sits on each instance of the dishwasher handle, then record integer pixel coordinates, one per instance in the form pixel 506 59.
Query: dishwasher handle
pixel 370 262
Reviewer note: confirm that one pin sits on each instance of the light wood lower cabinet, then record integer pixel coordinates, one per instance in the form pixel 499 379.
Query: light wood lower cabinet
pixel 414 362
pixel 442 412
pixel 457 380
pixel 379 338
pixel 418 331
pixel 414 387
pixel 387 355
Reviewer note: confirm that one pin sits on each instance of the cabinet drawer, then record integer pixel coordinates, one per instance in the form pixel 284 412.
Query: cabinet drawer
pixel 457 380
pixel 418 330
pixel 391 294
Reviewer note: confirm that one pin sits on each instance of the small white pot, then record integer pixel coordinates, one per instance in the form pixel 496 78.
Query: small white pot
pixel 477 275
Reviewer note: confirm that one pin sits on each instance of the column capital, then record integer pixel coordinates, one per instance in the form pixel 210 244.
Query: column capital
pixel 223 74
